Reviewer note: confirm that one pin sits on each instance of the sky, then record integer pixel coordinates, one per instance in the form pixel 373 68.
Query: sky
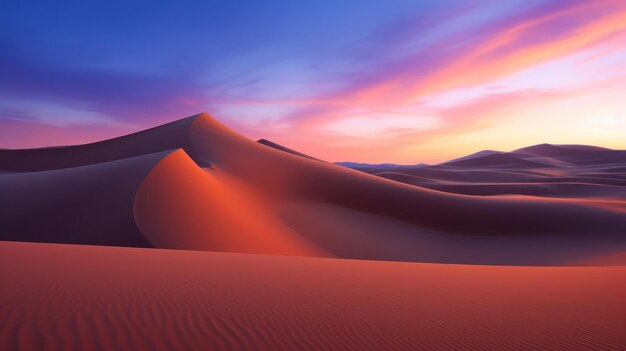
pixel 366 81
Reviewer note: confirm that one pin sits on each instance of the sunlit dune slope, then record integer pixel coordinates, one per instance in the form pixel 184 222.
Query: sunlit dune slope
pixel 183 206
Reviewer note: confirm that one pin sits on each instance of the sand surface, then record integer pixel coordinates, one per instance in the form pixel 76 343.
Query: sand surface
pixel 62 297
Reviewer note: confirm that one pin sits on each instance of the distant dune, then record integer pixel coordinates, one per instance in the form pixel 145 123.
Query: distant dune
pixel 559 171
pixel 61 297
pixel 195 184
pixel 496 160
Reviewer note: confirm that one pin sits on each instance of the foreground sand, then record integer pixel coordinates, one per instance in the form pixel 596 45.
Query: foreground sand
pixel 67 297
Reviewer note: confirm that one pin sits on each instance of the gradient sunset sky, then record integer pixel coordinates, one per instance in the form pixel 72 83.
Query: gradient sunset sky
pixel 366 81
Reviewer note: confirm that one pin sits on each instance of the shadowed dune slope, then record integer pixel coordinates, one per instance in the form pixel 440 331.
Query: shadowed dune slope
pixel 561 171
pixel 495 160
pixel 65 297
pixel 169 136
pixel 575 153
pixel 91 204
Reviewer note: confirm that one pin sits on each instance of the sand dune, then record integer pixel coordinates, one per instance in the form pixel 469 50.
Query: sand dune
pixel 61 297
pixel 578 154
pixel 559 188
pixel 562 171
pixel 194 185
pixel 90 204
pixel 166 137
pixel 283 148
pixel 216 190
pixel 212 211
pixel 496 160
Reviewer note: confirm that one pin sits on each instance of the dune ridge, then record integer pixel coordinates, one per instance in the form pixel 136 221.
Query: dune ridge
pixel 169 136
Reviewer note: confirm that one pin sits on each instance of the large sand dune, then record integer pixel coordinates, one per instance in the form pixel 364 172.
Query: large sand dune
pixel 62 297
pixel 195 184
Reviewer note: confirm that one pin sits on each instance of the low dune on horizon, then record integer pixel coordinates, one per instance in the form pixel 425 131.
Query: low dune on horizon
pixel 495 250
pixel 545 170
